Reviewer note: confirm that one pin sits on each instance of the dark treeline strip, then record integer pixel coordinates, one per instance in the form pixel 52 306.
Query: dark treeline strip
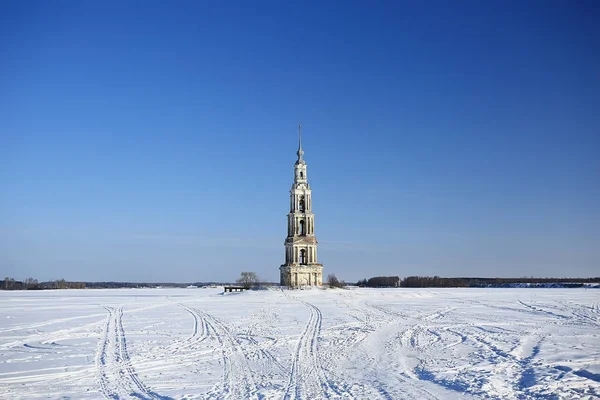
pixel 33 284
pixel 380 281
pixel 436 281
pixel 128 285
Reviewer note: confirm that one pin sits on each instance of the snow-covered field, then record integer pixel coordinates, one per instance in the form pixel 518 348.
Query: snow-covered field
pixel 312 344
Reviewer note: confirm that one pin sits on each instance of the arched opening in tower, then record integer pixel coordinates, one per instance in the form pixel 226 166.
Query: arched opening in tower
pixel 302 256
pixel 302 228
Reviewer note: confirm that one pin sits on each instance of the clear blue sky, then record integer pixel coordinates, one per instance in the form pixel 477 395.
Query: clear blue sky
pixel 155 141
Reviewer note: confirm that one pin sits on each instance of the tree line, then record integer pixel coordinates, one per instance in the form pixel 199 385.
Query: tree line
pixel 436 281
pixel 33 284
pixel 380 281
pixel 248 279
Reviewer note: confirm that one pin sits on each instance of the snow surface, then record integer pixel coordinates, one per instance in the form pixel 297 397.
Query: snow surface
pixel 311 344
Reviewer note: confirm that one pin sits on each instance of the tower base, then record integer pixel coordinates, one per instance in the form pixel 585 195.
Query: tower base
pixel 300 275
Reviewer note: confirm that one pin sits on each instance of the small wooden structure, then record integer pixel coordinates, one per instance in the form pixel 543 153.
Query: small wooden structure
pixel 234 288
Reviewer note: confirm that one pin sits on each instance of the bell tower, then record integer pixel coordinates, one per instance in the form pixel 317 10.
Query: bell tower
pixel 301 267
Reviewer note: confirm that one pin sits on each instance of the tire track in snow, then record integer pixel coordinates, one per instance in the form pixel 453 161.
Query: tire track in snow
pixel 238 380
pixel 579 314
pixel 256 347
pixel 407 340
pixel 394 315
pixel 245 344
pixel 101 359
pixel 414 344
pixel 58 321
pixel 196 323
pixel 199 332
pixel 48 337
pixel 517 364
pixel 582 313
pixel 542 311
pixel 307 377
pixel 461 338
pixel 117 376
pixel 375 318
pixel 198 335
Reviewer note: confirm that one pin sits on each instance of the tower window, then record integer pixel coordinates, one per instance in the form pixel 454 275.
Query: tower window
pixel 302 231
pixel 301 174
pixel 302 203
pixel 302 256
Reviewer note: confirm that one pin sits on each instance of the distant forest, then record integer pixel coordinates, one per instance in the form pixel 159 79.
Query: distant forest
pixel 33 284
pixel 436 281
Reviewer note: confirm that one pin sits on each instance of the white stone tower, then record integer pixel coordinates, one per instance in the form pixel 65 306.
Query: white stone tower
pixel 301 267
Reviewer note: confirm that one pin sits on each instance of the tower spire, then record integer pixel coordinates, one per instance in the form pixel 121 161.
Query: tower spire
pixel 300 152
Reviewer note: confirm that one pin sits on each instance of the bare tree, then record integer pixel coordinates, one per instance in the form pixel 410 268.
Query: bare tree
pixel 9 283
pixel 31 283
pixel 248 279
pixel 334 282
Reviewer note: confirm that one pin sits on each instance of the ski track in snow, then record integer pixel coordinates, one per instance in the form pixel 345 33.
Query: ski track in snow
pixel 307 377
pixel 412 340
pixel 238 380
pixel 595 310
pixel 46 323
pixel 117 376
pixel 200 332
